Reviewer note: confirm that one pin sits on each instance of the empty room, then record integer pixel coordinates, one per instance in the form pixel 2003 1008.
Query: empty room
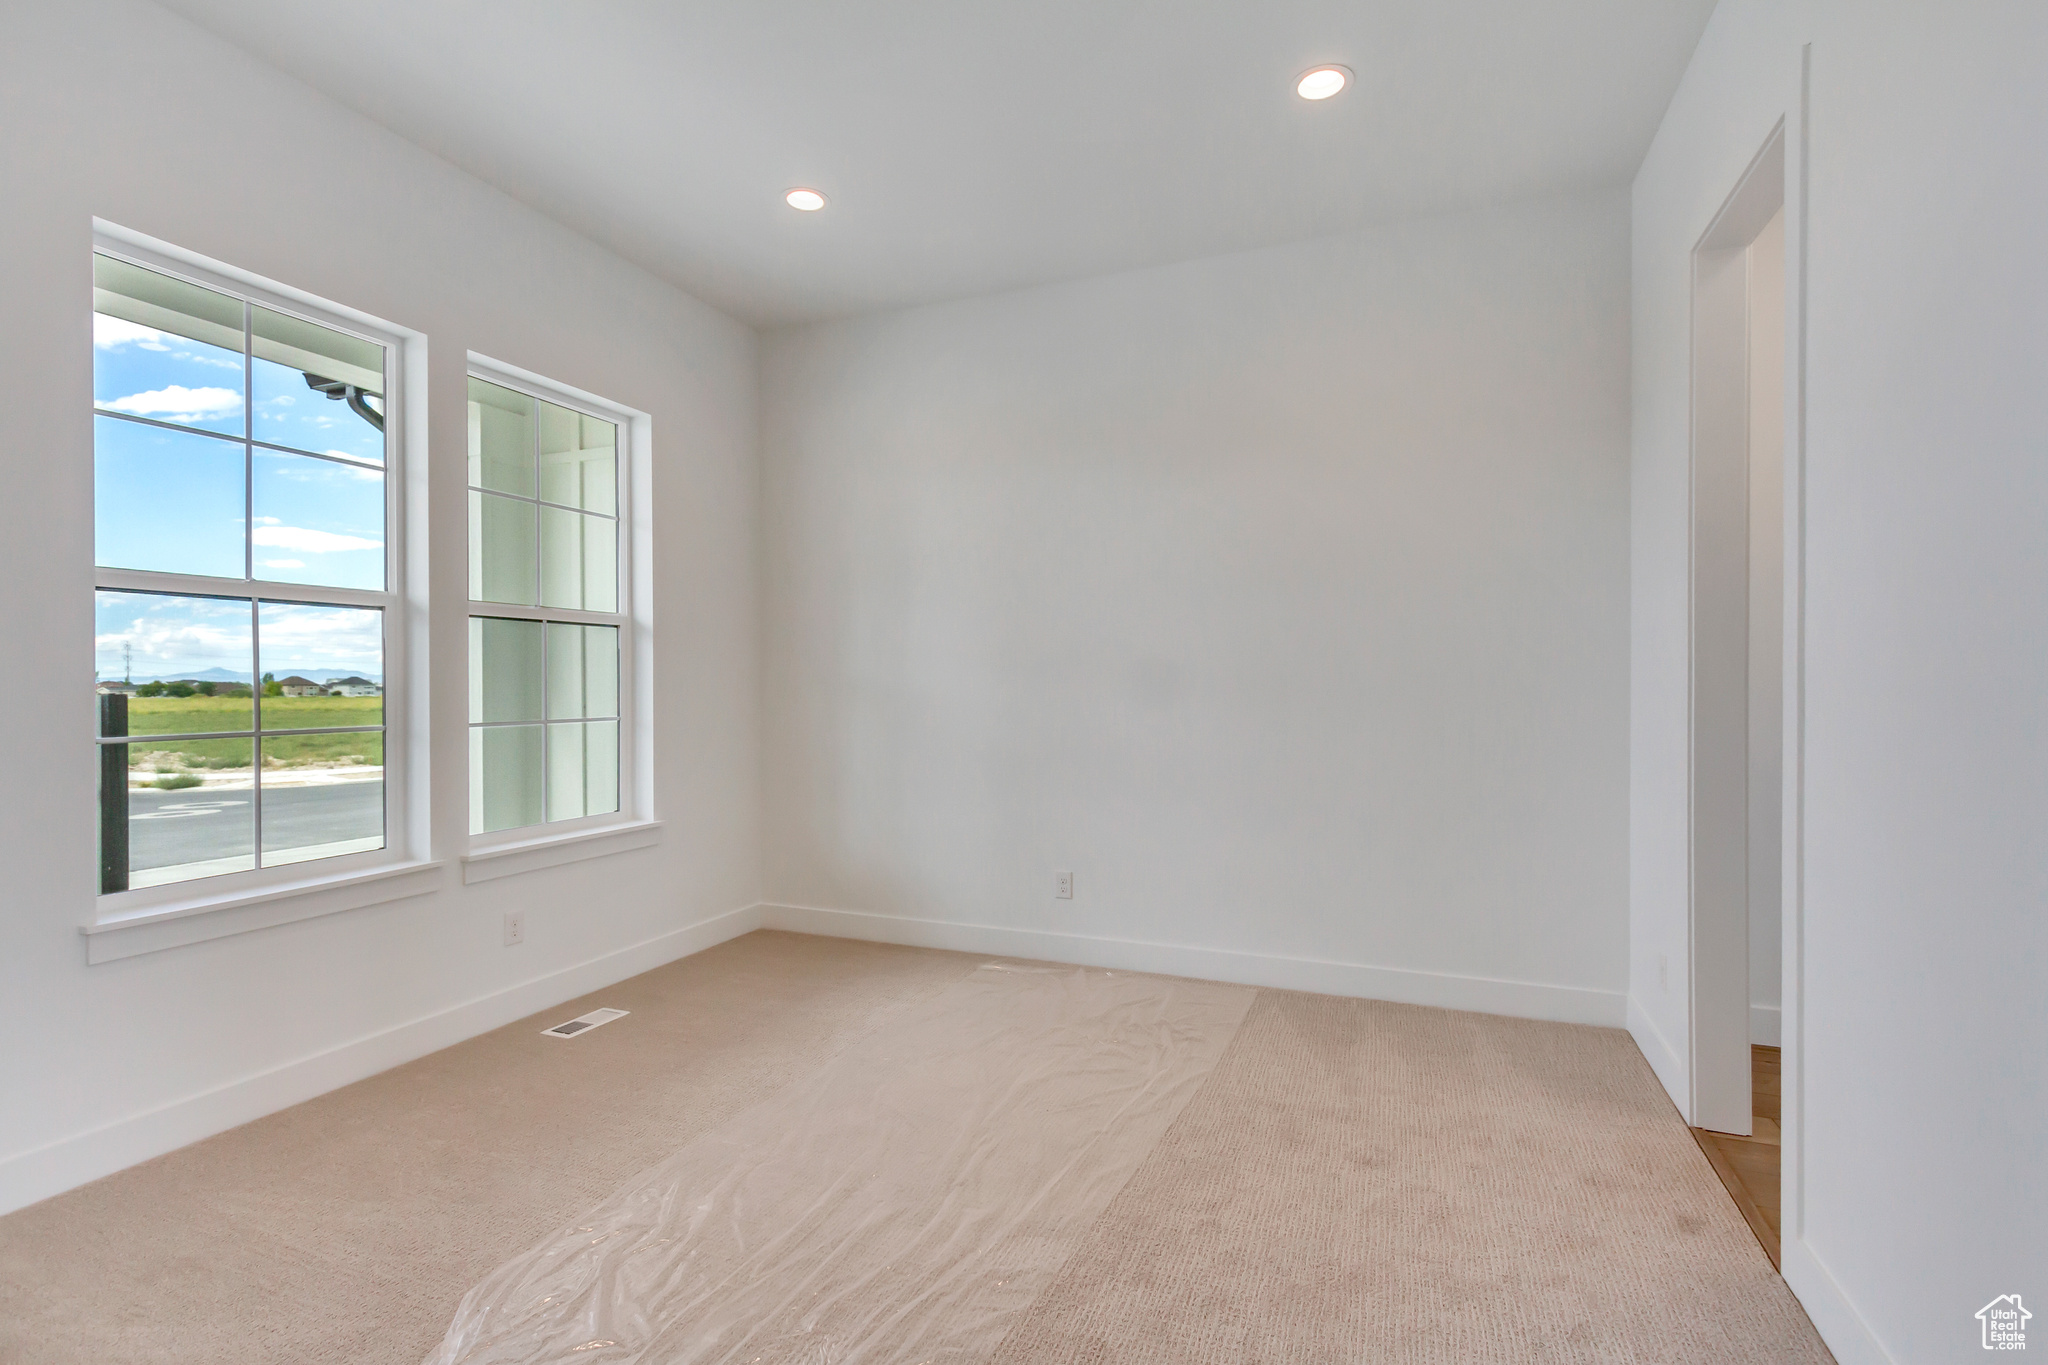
pixel 782 683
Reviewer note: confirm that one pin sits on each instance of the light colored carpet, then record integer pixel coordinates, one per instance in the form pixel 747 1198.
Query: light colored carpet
pixel 1360 1181
pixel 345 1231
pixel 1352 1182
pixel 906 1203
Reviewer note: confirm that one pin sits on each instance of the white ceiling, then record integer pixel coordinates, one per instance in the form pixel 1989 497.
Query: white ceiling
pixel 969 147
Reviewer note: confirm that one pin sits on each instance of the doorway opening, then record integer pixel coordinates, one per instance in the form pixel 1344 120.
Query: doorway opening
pixel 1738 688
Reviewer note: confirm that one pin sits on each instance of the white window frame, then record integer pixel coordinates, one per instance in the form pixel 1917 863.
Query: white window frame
pixel 124 923
pixel 500 853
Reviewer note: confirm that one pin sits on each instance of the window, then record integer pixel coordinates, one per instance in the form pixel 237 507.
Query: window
pixel 548 630
pixel 245 620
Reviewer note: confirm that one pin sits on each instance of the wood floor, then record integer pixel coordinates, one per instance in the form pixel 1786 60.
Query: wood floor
pixel 1748 1166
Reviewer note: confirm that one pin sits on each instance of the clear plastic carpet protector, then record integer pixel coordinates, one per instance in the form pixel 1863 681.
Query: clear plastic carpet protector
pixel 904 1204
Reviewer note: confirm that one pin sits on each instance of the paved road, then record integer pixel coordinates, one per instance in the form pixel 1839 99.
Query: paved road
pixel 165 828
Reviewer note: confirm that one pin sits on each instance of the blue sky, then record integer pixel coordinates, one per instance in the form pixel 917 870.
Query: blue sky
pixel 170 501
pixel 147 373
pixel 290 414
pixel 318 521
pixel 173 500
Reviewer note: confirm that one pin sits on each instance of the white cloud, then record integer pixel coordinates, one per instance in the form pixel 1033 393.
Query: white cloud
pixel 282 563
pixel 179 404
pixel 266 521
pixel 303 637
pixel 172 635
pixel 110 332
pixel 309 540
pixel 176 636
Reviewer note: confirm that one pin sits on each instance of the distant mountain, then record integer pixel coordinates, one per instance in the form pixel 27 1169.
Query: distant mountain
pixel 321 675
pixel 203 675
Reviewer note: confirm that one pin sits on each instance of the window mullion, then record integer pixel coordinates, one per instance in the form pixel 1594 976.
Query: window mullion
pixel 568 616
pixel 540 549
pixel 323 456
pixel 249 572
pixel 248 452
pixel 181 736
pixel 179 427
pixel 270 590
pixel 256 720
pixel 547 644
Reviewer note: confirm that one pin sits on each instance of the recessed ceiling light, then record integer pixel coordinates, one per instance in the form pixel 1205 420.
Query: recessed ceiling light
pixel 1322 82
pixel 810 201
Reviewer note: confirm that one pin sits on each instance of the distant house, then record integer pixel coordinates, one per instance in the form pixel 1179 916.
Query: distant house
pixel 126 689
pixel 353 687
pixel 295 686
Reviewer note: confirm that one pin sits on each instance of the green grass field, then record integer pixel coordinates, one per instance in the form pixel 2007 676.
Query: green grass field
pixel 188 715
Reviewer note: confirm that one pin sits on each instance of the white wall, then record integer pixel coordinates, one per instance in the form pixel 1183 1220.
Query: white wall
pixel 122 111
pixel 1917 756
pixel 1281 597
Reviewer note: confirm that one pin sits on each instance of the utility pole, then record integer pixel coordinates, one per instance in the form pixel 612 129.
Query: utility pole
pixel 127 664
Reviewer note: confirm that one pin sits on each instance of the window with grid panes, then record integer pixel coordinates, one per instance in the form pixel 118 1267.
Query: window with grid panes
pixel 546 630
pixel 243 579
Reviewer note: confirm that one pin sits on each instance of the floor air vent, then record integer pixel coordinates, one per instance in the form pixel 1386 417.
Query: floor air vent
pixel 584 1021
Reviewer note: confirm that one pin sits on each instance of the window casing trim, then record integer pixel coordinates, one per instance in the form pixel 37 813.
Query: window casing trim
pixel 403 602
pixel 556 848
pixel 179 923
pixel 635 816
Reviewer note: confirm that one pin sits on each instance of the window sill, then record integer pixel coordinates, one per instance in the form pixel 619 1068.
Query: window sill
pixel 531 855
pixel 194 921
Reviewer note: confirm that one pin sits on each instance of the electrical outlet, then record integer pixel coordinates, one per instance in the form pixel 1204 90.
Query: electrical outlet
pixel 1663 972
pixel 515 928
pixel 1063 885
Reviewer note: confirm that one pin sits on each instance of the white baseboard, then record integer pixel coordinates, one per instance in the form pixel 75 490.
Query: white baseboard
pixel 1844 1329
pixel 1519 999
pixel 35 1175
pixel 1663 1058
pixel 70 1162
pixel 1764 1025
